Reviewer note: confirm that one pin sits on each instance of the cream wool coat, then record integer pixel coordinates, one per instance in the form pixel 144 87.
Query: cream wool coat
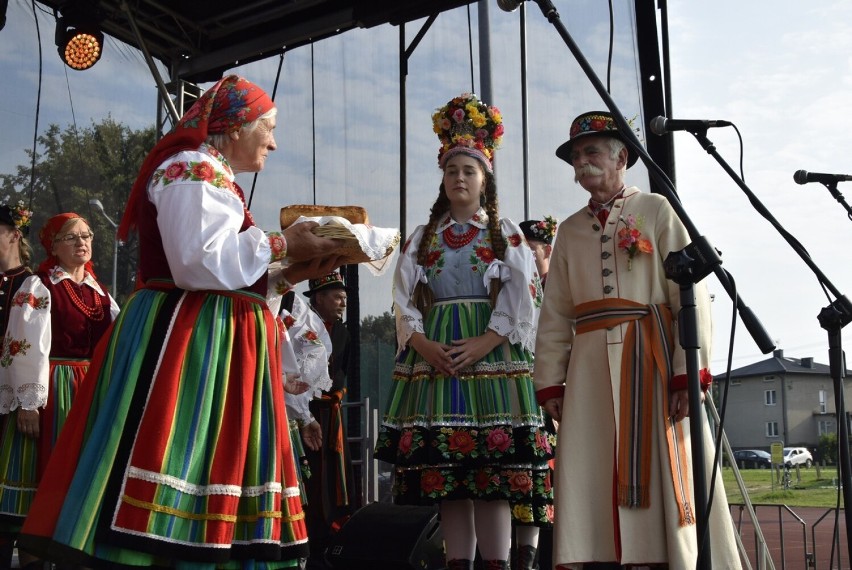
pixel 586 265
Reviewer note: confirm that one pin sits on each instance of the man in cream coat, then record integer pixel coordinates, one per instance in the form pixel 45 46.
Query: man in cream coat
pixel 609 369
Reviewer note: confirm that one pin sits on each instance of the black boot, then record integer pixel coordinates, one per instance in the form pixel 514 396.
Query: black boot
pixel 524 557
pixel 495 565
pixel 459 564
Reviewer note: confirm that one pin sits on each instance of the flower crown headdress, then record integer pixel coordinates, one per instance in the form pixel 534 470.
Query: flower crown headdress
pixel 467 125
pixel 17 215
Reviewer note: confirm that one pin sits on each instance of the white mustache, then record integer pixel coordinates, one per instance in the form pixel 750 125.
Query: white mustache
pixel 586 170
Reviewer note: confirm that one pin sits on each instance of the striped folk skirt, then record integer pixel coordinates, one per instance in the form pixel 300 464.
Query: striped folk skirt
pixel 478 435
pixel 23 459
pixel 176 452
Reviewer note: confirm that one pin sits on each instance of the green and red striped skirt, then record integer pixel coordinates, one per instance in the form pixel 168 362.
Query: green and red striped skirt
pixel 176 452
pixel 477 435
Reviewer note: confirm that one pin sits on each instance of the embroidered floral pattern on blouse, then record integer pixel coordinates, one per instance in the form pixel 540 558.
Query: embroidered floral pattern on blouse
pixel 514 240
pixel 198 171
pixel 536 291
pixel 289 321
pixel 12 348
pixel 311 337
pixel 24 298
pixel 434 264
pixel 482 255
pixel 278 245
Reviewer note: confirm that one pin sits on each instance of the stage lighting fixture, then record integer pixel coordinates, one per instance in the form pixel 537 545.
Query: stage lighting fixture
pixel 79 42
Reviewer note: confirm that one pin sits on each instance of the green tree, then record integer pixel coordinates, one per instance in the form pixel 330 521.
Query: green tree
pixel 827 448
pixel 379 328
pixel 378 348
pixel 77 165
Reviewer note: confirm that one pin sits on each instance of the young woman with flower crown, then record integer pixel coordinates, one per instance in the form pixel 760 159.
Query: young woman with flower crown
pixel 463 428
pixel 25 326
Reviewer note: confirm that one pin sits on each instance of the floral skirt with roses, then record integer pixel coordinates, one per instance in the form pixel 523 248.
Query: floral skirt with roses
pixel 479 435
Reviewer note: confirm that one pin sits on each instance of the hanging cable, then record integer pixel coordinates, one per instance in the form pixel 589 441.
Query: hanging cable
pixel 313 127
pixel 611 42
pixel 37 112
pixel 470 49
pixel 76 136
pixel 274 91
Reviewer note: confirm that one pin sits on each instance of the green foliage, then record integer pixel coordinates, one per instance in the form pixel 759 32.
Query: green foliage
pixel 378 350
pixel 379 329
pixel 827 448
pixel 75 166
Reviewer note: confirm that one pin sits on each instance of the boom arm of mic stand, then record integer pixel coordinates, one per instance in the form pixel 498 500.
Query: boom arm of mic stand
pixel 832 318
pixel 835 193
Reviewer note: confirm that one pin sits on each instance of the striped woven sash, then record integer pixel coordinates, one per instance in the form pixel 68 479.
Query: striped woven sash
pixel 646 354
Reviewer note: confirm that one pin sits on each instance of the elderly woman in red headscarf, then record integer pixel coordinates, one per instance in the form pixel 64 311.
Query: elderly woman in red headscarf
pixel 82 310
pixel 176 452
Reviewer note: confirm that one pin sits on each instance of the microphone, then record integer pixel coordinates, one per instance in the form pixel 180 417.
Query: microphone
pixel 803 177
pixel 662 126
pixel 509 5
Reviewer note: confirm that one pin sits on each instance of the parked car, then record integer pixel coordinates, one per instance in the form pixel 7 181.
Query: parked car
pixel 753 459
pixel 797 456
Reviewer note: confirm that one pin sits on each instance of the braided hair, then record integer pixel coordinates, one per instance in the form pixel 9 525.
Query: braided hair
pixel 422 294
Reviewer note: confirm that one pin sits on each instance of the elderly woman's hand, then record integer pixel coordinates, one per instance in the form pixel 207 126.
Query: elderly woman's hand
pixel 28 422
pixel 303 245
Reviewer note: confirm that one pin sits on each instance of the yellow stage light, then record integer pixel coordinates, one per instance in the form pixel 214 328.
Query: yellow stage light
pixel 80 45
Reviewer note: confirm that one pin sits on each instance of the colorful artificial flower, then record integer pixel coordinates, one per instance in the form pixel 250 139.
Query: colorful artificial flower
pixel 21 215
pixel 631 240
pixel 545 229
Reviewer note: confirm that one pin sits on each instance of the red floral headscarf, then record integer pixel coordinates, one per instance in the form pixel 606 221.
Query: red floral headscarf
pixel 48 233
pixel 224 108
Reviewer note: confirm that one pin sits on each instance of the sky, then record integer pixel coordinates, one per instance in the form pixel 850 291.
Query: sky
pixel 778 69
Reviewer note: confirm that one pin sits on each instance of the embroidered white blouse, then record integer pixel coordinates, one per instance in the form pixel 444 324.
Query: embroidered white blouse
pixel 25 358
pixel 305 355
pixel 200 214
pixel 466 273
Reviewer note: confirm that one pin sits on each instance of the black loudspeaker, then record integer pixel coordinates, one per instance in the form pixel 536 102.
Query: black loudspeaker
pixel 383 536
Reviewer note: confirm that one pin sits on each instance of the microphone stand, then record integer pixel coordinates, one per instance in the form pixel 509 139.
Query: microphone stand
pixel 691 265
pixel 832 188
pixel 831 318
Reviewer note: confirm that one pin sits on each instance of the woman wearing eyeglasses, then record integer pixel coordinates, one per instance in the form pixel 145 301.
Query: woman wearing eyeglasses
pixel 81 311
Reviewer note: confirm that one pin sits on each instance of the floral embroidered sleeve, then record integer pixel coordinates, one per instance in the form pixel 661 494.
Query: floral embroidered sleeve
pixel 516 312
pixel 26 349
pixel 409 320
pixel 200 215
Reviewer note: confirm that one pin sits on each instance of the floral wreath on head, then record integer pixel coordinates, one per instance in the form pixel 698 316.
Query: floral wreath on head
pixel 545 229
pixel 466 121
pixel 20 215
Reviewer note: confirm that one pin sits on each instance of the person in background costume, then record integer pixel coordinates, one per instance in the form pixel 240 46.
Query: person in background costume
pixel 331 491
pixel 25 321
pixel 610 370
pixel 81 311
pixel 462 426
pixel 534 542
pixel 176 452
pixel 539 235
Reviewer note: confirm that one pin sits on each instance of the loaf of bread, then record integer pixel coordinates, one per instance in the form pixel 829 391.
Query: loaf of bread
pixel 355 214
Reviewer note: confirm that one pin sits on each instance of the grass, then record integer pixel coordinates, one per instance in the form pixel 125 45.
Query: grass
pixel 814 487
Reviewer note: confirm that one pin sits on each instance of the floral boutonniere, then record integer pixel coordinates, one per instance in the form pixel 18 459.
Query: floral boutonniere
pixel 631 240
